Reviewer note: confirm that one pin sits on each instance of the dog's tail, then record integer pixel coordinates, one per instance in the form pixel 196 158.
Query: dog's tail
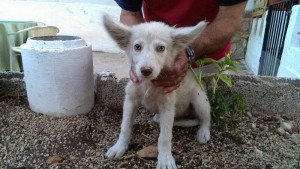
pixel 187 122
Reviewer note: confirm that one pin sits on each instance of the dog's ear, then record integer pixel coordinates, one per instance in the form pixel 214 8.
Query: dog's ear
pixel 184 36
pixel 119 32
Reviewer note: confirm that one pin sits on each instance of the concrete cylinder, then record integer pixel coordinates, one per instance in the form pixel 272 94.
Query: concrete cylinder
pixel 58 73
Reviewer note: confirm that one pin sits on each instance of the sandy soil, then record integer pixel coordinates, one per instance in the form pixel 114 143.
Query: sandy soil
pixel 31 140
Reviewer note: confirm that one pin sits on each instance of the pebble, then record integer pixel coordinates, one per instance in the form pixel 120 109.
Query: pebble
pixel 54 159
pixel 277 118
pixel 296 129
pixel 287 135
pixel 262 127
pixel 286 126
pixel 253 125
pixel 98 154
pixel 258 152
pixel 295 139
pixel 248 114
pixel 280 131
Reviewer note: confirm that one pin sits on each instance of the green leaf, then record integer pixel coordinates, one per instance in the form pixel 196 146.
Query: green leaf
pixel 218 69
pixel 221 64
pixel 230 63
pixel 208 60
pixel 199 62
pixel 232 69
pixel 227 59
pixel 198 80
pixel 226 79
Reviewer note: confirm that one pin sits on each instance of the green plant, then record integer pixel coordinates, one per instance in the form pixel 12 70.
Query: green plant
pixel 225 104
pixel 223 66
pixel 226 108
pixel 272 127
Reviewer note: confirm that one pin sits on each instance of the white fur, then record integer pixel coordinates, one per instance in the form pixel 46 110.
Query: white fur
pixel 151 36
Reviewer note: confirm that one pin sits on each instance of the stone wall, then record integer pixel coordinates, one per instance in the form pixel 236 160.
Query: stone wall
pixel 261 94
pixel 240 39
pixel 269 95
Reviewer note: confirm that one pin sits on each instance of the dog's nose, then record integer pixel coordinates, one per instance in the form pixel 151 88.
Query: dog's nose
pixel 146 71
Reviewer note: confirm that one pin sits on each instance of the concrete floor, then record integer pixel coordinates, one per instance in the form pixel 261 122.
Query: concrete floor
pixel 114 62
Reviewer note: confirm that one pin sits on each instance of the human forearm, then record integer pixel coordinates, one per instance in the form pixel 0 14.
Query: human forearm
pixel 131 18
pixel 220 30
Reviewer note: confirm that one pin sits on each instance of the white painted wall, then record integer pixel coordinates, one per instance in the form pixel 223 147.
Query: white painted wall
pixel 249 5
pixel 254 46
pixel 290 61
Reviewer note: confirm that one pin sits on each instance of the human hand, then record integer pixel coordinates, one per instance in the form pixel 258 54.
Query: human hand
pixel 170 79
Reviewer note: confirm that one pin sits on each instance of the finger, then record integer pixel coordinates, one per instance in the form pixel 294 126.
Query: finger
pixel 170 89
pixel 168 83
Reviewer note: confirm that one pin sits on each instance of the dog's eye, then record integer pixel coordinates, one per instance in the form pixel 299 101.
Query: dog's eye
pixel 160 48
pixel 137 47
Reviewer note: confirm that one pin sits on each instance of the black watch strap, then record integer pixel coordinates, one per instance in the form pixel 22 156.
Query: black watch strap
pixel 190 54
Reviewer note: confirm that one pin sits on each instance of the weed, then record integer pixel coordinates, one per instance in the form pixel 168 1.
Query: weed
pixel 238 137
pixel 226 108
pixel 272 128
pixel 226 105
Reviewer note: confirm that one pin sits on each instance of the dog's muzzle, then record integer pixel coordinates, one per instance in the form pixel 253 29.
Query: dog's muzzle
pixel 146 71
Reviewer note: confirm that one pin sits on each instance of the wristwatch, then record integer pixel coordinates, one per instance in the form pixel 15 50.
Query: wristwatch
pixel 190 54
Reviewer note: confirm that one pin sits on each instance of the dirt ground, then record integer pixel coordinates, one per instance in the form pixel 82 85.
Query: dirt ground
pixel 30 140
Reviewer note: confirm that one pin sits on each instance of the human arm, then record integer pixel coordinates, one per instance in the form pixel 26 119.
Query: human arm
pixel 215 36
pixel 220 31
pixel 130 18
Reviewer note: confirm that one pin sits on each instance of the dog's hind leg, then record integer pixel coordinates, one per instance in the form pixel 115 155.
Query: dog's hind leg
pixel 129 114
pixel 202 110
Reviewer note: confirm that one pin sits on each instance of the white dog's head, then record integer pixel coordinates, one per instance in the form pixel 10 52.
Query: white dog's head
pixel 152 46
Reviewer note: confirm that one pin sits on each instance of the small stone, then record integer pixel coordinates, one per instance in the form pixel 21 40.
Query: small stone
pixel 296 129
pixel 258 152
pixel 98 154
pixel 280 131
pixel 253 125
pixel 295 138
pixel 262 127
pixel 286 126
pixel 148 152
pixel 286 135
pixel 248 114
pixel 72 158
pixel 277 118
pixel 22 148
pixel 54 159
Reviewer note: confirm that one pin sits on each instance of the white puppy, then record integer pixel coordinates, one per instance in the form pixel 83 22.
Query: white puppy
pixel 152 47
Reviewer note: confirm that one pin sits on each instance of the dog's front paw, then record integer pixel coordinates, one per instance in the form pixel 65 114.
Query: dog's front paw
pixel 116 151
pixel 165 161
pixel 203 135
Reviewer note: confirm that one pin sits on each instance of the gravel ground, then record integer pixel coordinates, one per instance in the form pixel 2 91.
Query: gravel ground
pixel 31 140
